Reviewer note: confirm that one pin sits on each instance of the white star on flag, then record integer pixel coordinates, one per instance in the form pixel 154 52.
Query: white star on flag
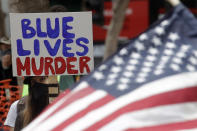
pixel 128 74
pixel 195 53
pixel 193 60
pixel 181 54
pixel 116 69
pixel 175 67
pixel 102 67
pixel 158 72
pixel 98 75
pixel 159 30
pixel 113 76
pixel 160 66
pixel 146 69
pixel 170 45
pixel 156 41
pixel 143 37
pixel 143 74
pixel 162 62
pixel 133 61
pixel 185 48
pixel 124 80
pixel 110 82
pixel 139 46
pixel 122 87
pixel 153 51
pixel 130 67
pixel 165 58
pixel 135 55
pixel 151 58
pixel 165 22
pixel 177 60
pixel 173 36
pixel 190 67
pixel 140 80
pixel 148 64
pixel 118 60
pixel 168 52
pixel 123 51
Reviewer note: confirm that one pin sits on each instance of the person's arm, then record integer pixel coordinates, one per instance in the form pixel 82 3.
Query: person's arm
pixel 11 117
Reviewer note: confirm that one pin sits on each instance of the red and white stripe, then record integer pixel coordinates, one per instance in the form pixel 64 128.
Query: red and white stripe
pixel 168 101
pixel 157 118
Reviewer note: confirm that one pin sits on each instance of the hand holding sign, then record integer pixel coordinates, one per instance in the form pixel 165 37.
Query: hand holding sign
pixel 51 44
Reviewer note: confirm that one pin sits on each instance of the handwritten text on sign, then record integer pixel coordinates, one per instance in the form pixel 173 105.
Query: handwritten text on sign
pixel 51 43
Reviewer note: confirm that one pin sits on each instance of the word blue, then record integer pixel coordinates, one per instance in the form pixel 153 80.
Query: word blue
pixel 28 31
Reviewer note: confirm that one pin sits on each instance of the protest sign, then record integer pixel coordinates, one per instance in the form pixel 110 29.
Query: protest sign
pixel 51 43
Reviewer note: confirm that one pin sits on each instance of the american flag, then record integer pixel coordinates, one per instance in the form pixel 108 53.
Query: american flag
pixel 151 84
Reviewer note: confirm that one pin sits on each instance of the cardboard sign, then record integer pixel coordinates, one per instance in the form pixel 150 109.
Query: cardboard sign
pixel 51 43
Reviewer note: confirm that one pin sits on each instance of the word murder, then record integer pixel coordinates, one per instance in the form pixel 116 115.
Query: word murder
pixel 56 66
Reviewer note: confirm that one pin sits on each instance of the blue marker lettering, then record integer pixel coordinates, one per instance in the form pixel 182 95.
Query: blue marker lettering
pixel 65 27
pixel 36 47
pixel 20 50
pixel 39 29
pixel 52 51
pixel 53 33
pixel 66 49
pixel 25 27
pixel 78 42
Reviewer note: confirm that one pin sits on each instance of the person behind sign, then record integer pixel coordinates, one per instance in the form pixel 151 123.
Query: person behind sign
pixel 5 61
pixel 65 81
pixel 6 73
pixel 39 97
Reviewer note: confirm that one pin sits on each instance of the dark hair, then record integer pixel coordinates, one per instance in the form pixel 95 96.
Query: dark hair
pixel 27 79
pixel 34 103
pixel 58 8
